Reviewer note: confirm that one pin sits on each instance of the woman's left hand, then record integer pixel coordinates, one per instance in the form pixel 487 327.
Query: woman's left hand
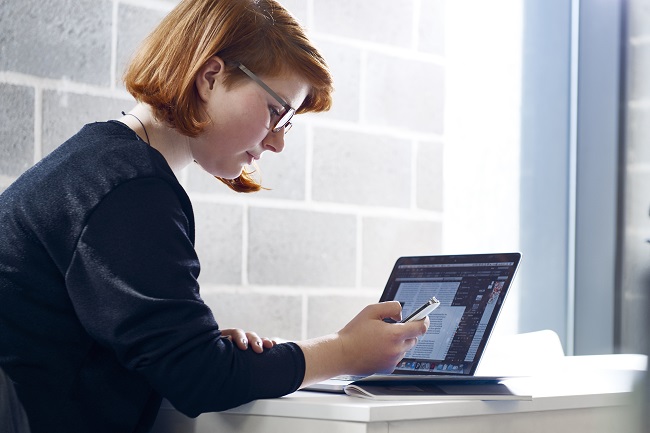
pixel 243 339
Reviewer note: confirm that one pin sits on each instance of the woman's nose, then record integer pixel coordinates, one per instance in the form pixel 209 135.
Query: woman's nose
pixel 274 141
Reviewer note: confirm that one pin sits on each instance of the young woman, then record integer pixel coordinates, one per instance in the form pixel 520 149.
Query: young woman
pixel 100 313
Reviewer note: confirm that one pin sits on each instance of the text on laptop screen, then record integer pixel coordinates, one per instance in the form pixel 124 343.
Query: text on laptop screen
pixel 471 290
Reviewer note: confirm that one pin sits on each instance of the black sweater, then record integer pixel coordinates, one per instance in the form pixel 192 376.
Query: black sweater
pixel 100 313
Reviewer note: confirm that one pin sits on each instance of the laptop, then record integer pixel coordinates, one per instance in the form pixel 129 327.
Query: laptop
pixel 471 289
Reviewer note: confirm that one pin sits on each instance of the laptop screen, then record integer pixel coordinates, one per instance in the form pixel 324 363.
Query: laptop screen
pixel 471 290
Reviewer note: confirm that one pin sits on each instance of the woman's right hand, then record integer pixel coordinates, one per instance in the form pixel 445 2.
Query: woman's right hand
pixel 370 345
pixel 366 345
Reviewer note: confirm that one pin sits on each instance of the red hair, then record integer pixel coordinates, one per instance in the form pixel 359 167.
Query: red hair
pixel 261 34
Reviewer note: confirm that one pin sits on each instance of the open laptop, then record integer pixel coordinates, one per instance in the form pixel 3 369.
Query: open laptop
pixel 471 290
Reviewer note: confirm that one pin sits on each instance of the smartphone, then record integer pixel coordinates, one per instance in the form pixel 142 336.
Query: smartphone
pixel 423 311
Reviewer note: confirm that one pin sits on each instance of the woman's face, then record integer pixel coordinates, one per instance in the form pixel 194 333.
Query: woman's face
pixel 241 121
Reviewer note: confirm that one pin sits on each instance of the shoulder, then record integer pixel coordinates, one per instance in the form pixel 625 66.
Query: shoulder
pixel 72 180
pixel 106 154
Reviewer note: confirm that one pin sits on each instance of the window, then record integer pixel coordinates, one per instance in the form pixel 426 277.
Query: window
pixel 531 160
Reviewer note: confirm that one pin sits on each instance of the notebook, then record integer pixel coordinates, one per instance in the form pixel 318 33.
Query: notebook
pixel 471 289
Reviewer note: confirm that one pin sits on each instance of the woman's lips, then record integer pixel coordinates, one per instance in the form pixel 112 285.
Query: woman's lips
pixel 252 158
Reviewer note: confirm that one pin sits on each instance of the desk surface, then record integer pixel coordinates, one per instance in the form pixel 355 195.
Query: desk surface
pixel 604 392
pixel 577 397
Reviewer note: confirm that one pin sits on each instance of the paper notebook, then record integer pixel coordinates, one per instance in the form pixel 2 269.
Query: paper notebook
pixel 510 389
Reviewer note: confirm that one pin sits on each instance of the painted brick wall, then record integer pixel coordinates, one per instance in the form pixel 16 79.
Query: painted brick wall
pixel 354 188
pixel 636 163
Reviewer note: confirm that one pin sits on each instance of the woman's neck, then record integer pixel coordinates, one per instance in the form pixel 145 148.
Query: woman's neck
pixel 174 146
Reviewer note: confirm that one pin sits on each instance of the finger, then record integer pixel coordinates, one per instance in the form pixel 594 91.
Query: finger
pixel 255 342
pixel 238 336
pixel 267 343
pixel 390 310
pixel 416 328
pixel 410 343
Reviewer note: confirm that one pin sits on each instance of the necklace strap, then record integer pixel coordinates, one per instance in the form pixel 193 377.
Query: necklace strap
pixel 145 129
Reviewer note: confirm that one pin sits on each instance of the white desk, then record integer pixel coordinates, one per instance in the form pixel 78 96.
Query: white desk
pixel 585 400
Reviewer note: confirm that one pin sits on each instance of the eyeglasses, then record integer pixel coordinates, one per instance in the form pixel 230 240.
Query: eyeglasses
pixel 285 119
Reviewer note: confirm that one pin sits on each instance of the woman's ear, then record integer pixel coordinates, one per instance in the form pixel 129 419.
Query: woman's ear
pixel 209 76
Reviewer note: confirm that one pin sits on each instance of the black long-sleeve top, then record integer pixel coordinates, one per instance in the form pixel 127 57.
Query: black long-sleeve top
pixel 100 313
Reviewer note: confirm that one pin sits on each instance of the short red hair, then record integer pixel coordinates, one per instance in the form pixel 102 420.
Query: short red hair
pixel 261 34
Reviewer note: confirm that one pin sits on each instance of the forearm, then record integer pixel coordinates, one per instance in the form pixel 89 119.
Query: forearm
pixel 221 376
pixel 324 358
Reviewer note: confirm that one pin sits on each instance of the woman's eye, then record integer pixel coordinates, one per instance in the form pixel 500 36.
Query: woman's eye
pixel 273 111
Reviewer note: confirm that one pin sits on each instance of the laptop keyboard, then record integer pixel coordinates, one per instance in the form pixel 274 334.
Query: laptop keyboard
pixel 347 377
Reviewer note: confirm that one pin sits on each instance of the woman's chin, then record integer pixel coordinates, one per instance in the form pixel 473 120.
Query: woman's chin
pixel 226 174
pixel 233 175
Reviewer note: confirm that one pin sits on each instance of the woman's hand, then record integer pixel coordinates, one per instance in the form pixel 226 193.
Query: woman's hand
pixel 243 339
pixel 371 345
pixel 365 345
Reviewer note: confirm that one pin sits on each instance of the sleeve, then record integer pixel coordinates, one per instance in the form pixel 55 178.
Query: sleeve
pixel 133 283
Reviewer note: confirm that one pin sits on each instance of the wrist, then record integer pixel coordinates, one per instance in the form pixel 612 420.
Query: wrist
pixel 324 358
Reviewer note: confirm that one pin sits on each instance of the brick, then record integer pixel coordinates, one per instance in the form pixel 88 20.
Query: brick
pixel 386 239
pixel 269 315
pixel 638 135
pixel 301 248
pixel 431 35
pixel 639 59
pixel 297 8
pixel 635 280
pixel 68 39
pixel 405 94
pixel 633 317
pixel 382 23
pixel 345 65
pixel 134 25
pixel 363 169
pixel 16 129
pixel 637 201
pixel 284 173
pixel 330 313
pixel 65 113
pixel 639 18
pixel 219 239
pixel 429 176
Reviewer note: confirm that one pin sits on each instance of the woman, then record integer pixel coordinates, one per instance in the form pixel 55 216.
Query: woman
pixel 100 312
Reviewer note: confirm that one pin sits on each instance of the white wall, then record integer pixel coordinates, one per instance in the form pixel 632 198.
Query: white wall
pixel 482 131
